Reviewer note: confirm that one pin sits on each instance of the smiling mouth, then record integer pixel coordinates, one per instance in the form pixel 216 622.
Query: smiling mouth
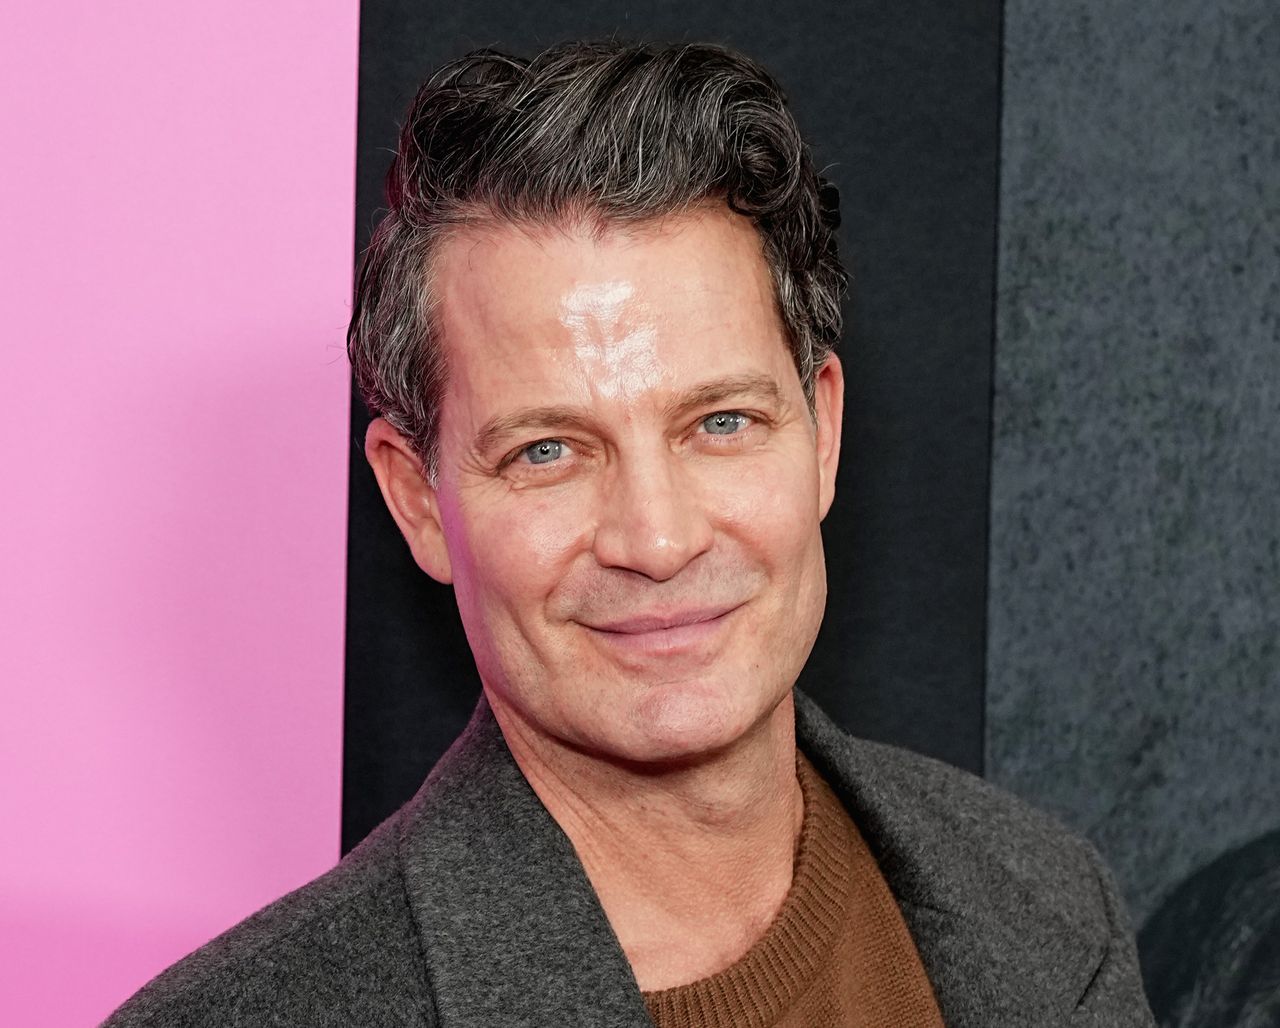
pixel 664 634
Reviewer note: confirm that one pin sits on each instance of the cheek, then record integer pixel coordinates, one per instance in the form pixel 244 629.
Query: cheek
pixel 509 549
pixel 773 508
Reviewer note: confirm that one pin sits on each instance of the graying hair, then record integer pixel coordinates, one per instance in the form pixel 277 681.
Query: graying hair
pixel 615 132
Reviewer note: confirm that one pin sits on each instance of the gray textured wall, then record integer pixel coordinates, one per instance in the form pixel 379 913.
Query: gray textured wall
pixel 1134 659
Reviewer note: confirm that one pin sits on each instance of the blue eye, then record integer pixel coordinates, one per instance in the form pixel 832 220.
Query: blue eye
pixel 725 423
pixel 544 451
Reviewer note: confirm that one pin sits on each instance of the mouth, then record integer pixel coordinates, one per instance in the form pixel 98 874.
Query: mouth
pixel 664 633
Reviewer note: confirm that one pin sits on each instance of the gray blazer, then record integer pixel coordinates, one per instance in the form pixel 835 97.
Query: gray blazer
pixel 468 908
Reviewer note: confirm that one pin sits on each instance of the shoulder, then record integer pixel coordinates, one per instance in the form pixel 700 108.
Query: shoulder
pixel 977 810
pixel 1011 911
pixel 946 837
pixel 343 946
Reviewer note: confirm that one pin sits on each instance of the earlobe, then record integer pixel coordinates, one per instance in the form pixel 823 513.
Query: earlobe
pixel 409 497
pixel 828 402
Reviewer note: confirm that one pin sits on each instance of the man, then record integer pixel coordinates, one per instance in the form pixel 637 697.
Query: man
pixel 597 327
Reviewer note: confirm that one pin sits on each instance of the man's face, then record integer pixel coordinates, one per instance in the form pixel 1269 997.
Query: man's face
pixel 631 483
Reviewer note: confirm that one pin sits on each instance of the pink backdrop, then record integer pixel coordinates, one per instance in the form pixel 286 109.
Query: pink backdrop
pixel 177 201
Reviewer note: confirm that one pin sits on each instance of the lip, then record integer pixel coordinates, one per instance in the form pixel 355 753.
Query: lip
pixel 662 621
pixel 664 633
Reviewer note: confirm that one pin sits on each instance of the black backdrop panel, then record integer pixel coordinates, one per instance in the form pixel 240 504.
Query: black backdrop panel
pixel 901 104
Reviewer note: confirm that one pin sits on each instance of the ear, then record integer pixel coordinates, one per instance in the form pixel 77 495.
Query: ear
pixel 828 409
pixel 409 496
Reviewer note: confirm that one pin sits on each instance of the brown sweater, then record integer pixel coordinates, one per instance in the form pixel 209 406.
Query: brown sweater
pixel 838 954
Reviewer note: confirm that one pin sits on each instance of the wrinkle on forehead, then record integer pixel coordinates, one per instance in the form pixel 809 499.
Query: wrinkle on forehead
pixel 614 337
pixel 559 317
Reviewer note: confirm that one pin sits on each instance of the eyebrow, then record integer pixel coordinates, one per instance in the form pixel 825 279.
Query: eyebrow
pixel 721 390
pixel 498 428
pixel 707 394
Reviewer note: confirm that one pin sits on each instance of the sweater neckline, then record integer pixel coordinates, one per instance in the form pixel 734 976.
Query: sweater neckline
pixel 768 979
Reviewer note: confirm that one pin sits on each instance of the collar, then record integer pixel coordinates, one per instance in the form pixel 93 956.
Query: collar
pixel 989 888
pixel 512 932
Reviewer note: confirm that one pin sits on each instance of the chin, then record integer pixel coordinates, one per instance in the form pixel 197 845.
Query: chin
pixel 678 722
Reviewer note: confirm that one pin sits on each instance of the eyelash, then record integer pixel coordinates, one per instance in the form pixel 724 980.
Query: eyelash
pixel 514 456
pixel 747 419
pixel 724 439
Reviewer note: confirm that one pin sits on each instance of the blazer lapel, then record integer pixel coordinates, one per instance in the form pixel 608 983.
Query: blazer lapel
pixel 511 929
pixel 998 946
pixel 513 934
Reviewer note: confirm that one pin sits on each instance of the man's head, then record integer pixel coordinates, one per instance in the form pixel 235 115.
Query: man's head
pixel 596 324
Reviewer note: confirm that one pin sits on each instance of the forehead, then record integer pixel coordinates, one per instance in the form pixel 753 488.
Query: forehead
pixel 579 314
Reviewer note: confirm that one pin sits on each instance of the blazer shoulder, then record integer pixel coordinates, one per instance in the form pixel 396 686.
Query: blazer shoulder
pixel 986 834
pixel 342 946
pixel 966 801
pixel 946 837
pixel 1030 887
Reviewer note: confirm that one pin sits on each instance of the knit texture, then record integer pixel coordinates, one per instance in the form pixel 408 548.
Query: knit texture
pixel 837 955
pixel 469 909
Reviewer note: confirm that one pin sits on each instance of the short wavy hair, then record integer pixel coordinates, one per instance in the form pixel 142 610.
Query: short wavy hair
pixel 606 130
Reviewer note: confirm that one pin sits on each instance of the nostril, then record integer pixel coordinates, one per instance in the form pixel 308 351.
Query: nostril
pixel 650 521
pixel 658 552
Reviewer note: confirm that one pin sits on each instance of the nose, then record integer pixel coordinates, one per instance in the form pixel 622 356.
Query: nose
pixel 652 518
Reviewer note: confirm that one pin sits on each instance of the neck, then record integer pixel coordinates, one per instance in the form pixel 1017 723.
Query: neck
pixel 690 862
